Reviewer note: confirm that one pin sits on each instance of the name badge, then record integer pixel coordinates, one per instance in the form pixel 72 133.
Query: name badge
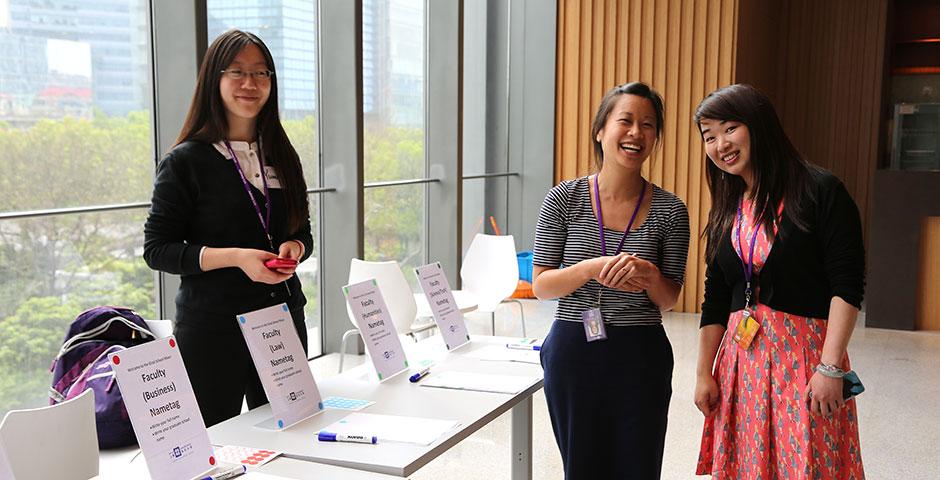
pixel 746 330
pixel 271 174
pixel 593 325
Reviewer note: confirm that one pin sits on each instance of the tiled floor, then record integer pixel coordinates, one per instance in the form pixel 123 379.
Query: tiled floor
pixel 898 414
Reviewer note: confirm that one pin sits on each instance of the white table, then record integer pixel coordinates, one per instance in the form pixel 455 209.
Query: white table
pixel 397 396
pixel 122 464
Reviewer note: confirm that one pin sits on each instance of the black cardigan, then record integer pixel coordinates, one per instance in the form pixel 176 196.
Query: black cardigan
pixel 200 200
pixel 803 270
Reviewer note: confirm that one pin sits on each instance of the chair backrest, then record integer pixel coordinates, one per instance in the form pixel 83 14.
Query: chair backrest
pixel 395 290
pixel 59 441
pixel 490 270
pixel 160 328
pixel 5 471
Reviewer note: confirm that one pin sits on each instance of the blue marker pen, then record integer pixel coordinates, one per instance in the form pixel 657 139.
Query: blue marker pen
pixel 516 346
pixel 418 376
pixel 342 437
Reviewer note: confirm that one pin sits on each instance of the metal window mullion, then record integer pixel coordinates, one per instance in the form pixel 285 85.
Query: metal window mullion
pixel 532 125
pixel 72 211
pixel 395 183
pixel 340 82
pixel 490 175
pixel 442 134
pixel 175 65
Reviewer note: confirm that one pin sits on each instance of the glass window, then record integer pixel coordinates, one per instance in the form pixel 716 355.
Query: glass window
pixel 484 208
pixel 393 77
pixel 289 29
pixel 75 131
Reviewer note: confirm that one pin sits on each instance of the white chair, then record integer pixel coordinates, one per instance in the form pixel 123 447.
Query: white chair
pixel 57 442
pixel 396 292
pixel 160 328
pixel 490 272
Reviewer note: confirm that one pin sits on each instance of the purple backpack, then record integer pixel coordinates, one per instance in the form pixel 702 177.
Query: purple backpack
pixel 82 363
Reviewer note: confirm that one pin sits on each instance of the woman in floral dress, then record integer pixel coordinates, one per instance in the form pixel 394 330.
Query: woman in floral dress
pixel 783 287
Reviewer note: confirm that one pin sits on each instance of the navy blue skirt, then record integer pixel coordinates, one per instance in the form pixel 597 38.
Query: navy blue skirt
pixel 608 400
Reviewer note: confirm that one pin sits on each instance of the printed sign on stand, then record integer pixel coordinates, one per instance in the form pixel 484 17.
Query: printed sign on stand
pixel 375 324
pixel 282 364
pixel 163 410
pixel 441 300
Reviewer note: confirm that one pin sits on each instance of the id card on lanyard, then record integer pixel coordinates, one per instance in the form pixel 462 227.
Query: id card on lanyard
pixel 592 319
pixel 749 325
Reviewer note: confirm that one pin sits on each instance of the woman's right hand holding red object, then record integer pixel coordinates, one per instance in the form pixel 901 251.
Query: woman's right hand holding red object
pixel 251 262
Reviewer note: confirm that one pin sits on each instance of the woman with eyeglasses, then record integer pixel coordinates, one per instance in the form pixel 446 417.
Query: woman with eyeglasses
pixel 228 197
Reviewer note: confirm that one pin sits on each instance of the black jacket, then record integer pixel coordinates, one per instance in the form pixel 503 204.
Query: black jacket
pixel 803 270
pixel 199 200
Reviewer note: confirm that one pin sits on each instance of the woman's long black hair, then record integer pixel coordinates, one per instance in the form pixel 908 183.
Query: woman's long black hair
pixel 780 172
pixel 207 122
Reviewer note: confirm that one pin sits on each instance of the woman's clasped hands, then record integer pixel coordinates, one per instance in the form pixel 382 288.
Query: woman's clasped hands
pixel 626 272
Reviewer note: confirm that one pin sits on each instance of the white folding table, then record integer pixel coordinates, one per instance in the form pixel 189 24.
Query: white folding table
pixel 397 396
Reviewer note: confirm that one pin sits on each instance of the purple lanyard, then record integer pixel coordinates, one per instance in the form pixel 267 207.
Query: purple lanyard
pixel 748 264
pixel 266 218
pixel 600 216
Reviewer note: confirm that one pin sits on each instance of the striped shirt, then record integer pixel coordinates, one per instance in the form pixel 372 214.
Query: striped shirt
pixel 567 233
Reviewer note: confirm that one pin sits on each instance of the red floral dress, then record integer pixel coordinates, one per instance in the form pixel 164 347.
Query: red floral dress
pixel 763 428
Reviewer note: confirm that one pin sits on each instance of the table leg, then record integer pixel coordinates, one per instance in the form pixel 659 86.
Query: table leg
pixel 522 440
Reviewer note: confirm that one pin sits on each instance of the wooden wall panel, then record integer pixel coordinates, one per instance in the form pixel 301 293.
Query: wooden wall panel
pixel 684 49
pixel 928 302
pixel 820 62
pixel 823 69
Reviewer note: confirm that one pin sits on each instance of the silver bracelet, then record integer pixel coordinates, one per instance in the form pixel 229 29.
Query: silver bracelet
pixel 831 371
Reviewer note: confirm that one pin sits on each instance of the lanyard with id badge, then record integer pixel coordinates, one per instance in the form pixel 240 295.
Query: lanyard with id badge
pixel 749 325
pixel 266 218
pixel 592 319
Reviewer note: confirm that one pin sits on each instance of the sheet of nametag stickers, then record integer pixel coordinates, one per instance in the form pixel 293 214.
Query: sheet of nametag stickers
pixel 251 457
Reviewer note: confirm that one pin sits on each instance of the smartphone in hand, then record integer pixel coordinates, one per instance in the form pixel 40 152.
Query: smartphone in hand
pixel 851 385
pixel 279 262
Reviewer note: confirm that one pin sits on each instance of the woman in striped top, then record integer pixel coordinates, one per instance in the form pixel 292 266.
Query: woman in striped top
pixel 612 248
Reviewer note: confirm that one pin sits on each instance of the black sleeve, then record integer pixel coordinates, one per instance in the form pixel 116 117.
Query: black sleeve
pixel 165 231
pixel 304 236
pixel 717 304
pixel 840 238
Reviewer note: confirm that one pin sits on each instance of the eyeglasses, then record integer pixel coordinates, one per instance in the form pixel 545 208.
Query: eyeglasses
pixel 236 74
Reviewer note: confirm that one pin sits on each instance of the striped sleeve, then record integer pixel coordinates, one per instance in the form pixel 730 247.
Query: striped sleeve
pixel 675 250
pixel 551 231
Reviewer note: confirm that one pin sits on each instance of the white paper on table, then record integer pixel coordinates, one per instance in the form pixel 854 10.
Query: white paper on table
pixel 393 428
pixel 500 353
pixel 281 363
pixel 260 476
pixel 443 306
pixel 479 382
